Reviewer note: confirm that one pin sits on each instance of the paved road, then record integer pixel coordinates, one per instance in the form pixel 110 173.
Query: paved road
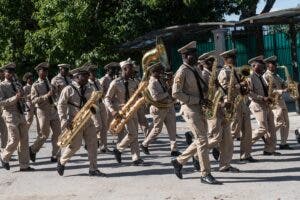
pixel 271 178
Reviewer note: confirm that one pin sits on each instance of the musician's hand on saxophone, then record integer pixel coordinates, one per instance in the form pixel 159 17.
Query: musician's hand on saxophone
pixel 116 115
pixel 227 105
pixel 69 125
pixel 206 103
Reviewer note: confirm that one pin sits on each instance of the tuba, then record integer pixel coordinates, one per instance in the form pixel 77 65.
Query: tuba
pixel 140 97
pixel 80 119
pixel 292 85
pixel 214 94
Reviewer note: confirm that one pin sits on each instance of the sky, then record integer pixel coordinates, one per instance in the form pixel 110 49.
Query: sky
pixel 279 5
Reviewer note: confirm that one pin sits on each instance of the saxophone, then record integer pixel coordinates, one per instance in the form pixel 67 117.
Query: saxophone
pixel 80 119
pixel 140 96
pixel 292 85
pixel 214 94
pixel 273 96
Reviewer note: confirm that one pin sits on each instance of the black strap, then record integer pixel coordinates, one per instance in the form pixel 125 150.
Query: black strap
pixel 198 79
pixel 20 108
pixel 48 89
pixel 263 85
pixel 163 87
pixel 83 100
pixel 97 87
pixel 126 83
pixel 66 80
pixel 73 104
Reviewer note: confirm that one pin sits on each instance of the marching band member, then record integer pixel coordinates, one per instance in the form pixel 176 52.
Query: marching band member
pixel 13 114
pixel 73 97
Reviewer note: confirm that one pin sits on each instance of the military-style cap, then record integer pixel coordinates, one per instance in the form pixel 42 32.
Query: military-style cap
pixel 259 59
pixel 43 65
pixel 10 67
pixel 192 46
pixel 229 53
pixel 207 55
pixel 89 67
pixel 112 65
pixel 125 62
pixel 63 65
pixel 26 76
pixel 79 70
pixel 271 59
pixel 155 66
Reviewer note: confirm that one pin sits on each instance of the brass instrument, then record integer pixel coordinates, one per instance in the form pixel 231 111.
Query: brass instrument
pixel 139 98
pixel 80 119
pixel 214 94
pixel 230 112
pixel 293 86
pixel 273 96
pixel 22 101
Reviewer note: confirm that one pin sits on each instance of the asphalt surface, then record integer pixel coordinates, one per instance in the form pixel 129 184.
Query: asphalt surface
pixel 271 178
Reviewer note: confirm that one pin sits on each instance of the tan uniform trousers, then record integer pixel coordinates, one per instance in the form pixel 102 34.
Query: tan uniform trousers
pixel 242 124
pixel 29 119
pixel 162 116
pixel 88 133
pixel 220 136
pixel 266 129
pixel 130 139
pixel 100 121
pixel 198 125
pixel 3 132
pixel 282 122
pixel 47 119
pixel 142 120
pixel 18 138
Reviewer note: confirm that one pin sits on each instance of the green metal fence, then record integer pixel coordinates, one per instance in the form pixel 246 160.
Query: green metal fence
pixel 274 44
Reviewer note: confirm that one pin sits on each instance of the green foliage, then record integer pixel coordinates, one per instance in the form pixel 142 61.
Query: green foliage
pixel 76 31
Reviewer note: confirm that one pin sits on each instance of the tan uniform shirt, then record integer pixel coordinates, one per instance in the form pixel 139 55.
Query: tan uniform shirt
pixel 256 93
pixel 105 82
pixel 278 85
pixel 8 98
pixel 39 95
pixel 69 103
pixel 158 91
pixel 59 82
pixel 115 96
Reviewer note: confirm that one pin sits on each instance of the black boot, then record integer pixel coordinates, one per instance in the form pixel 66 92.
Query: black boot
pixel 188 138
pixel 196 164
pixel 53 159
pixel 5 165
pixel 285 147
pixel 32 155
pixel 175 153
pixel 28 169
pixel 145 149
pixel 96 173
pixel 216 153
pixel 177 168
pixel 117 154
pixel 297 135
pixel 138 162
pixel 249 160
pixel 209 179
pixel 60 168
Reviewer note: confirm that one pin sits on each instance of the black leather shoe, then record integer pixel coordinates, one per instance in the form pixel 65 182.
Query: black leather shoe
pixel 196 164
pixel 285 147
pixel 138 162
pixel 32 155
pixel 5 165
pixel 271 153
pixel 209 179
pixel 230 169
pixel 60 168
pixel 28 169
pixel 177 168
pixel 216 153
pixel 85 147
pixel 117 154
pixel 188 137
pixel 297 135
pixel 53 159
pixel 175 153
pixel 249 160
pixel 145 149
pixel 96 173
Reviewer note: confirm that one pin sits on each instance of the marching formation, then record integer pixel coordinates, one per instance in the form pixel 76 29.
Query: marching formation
pixel 215 101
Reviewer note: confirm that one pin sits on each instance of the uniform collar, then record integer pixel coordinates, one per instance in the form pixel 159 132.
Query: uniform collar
pixel 41 80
